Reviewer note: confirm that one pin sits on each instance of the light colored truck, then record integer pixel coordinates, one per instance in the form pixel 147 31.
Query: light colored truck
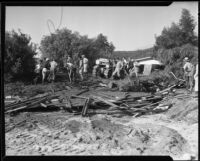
pixel 103 68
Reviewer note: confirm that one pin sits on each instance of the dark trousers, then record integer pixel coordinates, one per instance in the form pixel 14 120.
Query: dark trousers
pixel 189 82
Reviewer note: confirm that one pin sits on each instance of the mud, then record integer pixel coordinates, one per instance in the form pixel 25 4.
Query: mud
pixel 67 135
pixel 173 133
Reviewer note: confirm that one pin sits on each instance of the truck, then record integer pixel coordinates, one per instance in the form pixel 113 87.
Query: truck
pixel 102 68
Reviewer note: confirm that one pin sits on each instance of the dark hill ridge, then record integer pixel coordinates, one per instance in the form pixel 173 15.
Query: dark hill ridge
pixel 134 54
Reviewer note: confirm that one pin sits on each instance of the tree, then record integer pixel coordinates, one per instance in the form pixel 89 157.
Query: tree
pixel 187 25
pixel 63 42
pixel 19 63
pixel 177 42
pixel 178 34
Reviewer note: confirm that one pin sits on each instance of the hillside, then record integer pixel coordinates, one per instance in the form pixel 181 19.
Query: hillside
pixel 134 54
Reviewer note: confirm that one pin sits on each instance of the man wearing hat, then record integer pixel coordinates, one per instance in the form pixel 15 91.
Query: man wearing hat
pixel 188 73
pixel 45 70
pixel 85 65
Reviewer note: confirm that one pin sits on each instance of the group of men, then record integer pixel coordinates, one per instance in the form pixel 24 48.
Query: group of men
pixel 130 66
pixel 46 69
pixel 190 75
pixel 75 67
pixel 117 67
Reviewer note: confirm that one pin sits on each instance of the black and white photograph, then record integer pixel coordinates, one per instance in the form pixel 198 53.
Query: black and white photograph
pixel 101 80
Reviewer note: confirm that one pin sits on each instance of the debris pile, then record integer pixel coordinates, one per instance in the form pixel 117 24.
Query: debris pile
pixel 87 102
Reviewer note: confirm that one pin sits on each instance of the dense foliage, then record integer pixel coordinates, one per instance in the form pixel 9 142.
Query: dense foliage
pixel 19 63
pixel 64 42
pixel 177 42
pixel 178 34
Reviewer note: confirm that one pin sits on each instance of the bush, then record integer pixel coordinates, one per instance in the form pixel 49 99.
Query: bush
pixel 173 58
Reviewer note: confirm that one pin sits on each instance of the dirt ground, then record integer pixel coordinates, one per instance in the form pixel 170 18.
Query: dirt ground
pixel 55 132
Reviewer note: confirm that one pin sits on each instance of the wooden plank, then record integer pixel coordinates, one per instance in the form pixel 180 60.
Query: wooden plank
pixel 105 101
pixel 16 109
pixel 30 104
pixel 84 91
pixel 167 89
pixel 69 104
pixel 86 106
pixel 73 96
pixel 25 102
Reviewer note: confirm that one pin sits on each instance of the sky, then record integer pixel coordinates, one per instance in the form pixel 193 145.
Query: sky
pixel 128 28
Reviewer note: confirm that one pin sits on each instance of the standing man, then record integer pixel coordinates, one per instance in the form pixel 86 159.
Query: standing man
pixel 45 69
pixel 81 68
pixel 85 65
pixel 53 66
pixel 196 78
pixel 118 69
pixel 38 71
pixel 136 68
pixel 69 59
pixel 188 73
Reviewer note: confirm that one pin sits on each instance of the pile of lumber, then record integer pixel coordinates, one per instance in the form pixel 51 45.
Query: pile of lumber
pixel 95 103
pixel 28 103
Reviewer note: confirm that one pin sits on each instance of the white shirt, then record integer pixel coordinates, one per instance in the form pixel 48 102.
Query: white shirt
pixel 85 60
pixel 188 68
pixel 53 65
